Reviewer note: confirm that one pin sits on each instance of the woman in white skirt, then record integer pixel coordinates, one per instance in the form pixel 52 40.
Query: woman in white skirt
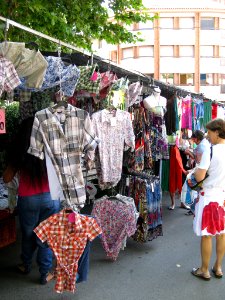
pixel 209 219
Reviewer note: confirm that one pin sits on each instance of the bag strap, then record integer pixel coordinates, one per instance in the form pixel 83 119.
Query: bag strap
pixel 211 152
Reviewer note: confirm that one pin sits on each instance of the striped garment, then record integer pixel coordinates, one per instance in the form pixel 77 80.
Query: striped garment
pixel 65 136
pixel 9 78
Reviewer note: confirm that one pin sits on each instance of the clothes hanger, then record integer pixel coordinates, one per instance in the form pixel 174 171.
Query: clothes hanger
pixel 32 45
pixel 60 99
pixel 111 198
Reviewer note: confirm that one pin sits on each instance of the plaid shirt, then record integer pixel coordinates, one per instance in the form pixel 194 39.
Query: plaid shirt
pixel 67 240
pixel 9 78
pixel 64 144
pixel 85 81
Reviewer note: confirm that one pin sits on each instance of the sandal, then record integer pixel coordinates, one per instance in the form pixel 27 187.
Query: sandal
pixel 201 275
pixel 171 207
pixel 189 213
pixel 184 206
pixel 217 274
pixel 23 269
pixel 46 278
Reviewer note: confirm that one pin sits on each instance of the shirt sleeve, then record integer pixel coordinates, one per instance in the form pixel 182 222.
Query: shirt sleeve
pixel 129 132
pixel 41 230
pixel 12 78
pixel 36 140
pixel 94 229
pixel 90 141
pixel 205 160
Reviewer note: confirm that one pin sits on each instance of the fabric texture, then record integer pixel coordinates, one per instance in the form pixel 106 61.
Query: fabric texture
pixel 33 210
pixel 114 131
pixel 117 220
pixel 64 147
pixel 176 169
pixel 9 78
pixel 88 82
pixel 68 241
pixel 29 64
pixel 209 210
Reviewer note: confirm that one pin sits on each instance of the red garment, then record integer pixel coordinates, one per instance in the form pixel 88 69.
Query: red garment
pixel 176 169
pixel 67 240
pixel 214 110
pixel 27 188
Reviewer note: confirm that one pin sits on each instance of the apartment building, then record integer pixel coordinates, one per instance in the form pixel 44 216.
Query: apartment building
pixel 185 46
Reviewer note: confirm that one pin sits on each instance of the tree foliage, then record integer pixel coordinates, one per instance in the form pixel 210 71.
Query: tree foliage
pixel 77 22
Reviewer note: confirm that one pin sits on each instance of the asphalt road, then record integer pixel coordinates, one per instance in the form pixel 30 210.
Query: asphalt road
pixel 157 270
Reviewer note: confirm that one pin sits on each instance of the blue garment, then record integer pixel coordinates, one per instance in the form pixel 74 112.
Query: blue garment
pixel 198 123
pixel 33 210
pixel 56 70
pixel 83 264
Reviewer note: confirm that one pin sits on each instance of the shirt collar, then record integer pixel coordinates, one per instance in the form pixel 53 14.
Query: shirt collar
pixel 105 115
pixel 66 110
pixel 63 219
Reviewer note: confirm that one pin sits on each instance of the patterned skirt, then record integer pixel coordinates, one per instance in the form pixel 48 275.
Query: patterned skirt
pixel 209 218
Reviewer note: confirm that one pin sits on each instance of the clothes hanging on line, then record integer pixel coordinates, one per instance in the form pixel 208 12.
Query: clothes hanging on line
pixel 117 216
pixel 58 74
pixel 65 147
pixel 146 192
pixel 29 64
pixel 9 78
pixel 68 241
pixel 114 130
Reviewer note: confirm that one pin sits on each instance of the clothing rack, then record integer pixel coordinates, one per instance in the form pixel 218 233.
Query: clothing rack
pixel 142 175
pixel 40 34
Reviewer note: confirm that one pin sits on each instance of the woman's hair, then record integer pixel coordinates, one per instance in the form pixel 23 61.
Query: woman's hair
pixel 32 167
pixel 217 125
pixel 198 134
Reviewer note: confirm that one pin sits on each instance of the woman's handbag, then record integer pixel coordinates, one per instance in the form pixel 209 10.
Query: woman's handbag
pixel 193 183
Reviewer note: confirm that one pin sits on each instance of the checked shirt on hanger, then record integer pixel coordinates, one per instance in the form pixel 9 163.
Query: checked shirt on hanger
pixel 66 135
pixel 67 240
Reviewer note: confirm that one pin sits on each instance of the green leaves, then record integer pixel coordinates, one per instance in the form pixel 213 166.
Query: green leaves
pixel 77 22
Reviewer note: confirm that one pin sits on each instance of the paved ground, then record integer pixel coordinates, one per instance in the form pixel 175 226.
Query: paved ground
pixel 158 270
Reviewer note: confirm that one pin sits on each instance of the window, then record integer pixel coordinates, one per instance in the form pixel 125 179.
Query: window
pixel 166 23
pixel 222 89
pixel 186 79
pixel 186 23
pixel 222 51
pixel 166 51
pixel 128 53
pixel 222 23
pixel 146 51
pixel 167 78
pixel 186 51
pixel 206 79
pixel 222 79
pixel 114 56
pixel 222 83
pixel 207 23
pixel 206 51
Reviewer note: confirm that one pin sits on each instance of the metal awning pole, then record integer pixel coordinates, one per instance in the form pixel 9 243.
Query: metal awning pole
pixel 45 36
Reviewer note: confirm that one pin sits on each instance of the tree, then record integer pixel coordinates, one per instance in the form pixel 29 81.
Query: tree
pixel 77 22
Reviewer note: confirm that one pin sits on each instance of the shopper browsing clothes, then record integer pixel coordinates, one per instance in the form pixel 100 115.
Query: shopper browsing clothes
pixel 34 201
pixel 209 218
pixel 202 144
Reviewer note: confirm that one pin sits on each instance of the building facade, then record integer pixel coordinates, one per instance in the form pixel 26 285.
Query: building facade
pixel 184 46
